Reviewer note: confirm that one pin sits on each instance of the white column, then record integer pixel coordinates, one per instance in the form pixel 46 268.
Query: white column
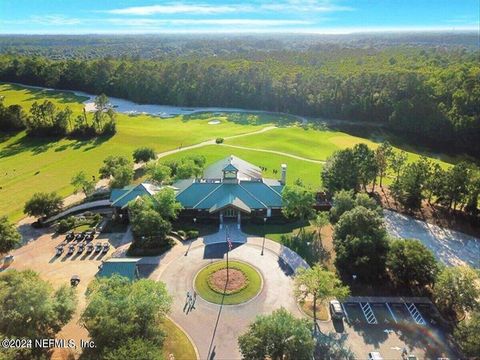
pixel 221 220
pixel 239 219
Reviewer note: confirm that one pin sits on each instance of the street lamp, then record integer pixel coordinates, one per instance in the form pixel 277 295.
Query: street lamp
pixel 263 243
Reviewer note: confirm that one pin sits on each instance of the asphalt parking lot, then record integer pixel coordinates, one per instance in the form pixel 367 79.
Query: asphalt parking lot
pixel 393 325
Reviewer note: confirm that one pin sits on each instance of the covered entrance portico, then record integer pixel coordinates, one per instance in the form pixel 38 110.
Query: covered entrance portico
pixel 231 212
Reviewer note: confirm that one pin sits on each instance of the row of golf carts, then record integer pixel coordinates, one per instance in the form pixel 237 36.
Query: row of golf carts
pixel 80 248
pixel 83 244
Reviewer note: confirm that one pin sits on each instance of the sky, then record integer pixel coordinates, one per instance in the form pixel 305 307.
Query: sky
pixel 227 16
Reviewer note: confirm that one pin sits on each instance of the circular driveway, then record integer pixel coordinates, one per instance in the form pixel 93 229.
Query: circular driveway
pixel 215 328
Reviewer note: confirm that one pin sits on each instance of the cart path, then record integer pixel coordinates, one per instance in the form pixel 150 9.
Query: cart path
pixel 276 153
pixel 207 143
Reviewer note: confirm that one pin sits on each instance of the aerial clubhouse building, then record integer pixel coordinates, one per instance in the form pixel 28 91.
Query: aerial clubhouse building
pixel 230 190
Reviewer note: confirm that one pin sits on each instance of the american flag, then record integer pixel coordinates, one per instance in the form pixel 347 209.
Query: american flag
pixel 230 244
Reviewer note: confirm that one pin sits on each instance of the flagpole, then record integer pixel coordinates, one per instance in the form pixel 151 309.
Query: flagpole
pixel 228 247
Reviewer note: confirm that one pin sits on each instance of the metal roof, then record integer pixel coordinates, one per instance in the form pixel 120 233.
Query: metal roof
pixel 121 197
pixel 126 267
pixel 246 171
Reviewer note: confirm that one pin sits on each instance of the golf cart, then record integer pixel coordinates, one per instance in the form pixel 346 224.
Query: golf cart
pixel 71 250
pixel 90 248
pixel 70 236
pixel 105 249
pixel 59 250
pixel 74 280
pixel 98 248
pixel 81 247
pixel 90 235
pixel 79 237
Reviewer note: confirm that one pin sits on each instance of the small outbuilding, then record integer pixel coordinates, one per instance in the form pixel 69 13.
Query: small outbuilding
pixel 127 267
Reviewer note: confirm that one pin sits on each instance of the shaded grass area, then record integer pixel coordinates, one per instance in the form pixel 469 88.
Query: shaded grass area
pixel 164 246
pixel 322 310
pixel 275 231
pixel 176 342
pixel 247 293
pixel 202 228
pixel 299 236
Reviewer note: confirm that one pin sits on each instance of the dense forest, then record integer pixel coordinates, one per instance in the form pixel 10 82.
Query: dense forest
pixel 426 94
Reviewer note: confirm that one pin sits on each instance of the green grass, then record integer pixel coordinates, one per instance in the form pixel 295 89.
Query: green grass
pixel 314 144
pixel 297 169
pixel 176 342
pixel 275 231
pixel 29 165
pixel 204 290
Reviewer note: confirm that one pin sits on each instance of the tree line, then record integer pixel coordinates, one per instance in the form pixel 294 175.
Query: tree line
pixel 454 188
pixel 426 96
pixel 45 119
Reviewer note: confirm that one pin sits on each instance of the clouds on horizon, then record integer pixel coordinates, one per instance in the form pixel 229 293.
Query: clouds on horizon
pixel 288 16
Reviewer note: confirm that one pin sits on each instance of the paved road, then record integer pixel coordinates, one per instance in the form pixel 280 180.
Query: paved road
pixel 214 328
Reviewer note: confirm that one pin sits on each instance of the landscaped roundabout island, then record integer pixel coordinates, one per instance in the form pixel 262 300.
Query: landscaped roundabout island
pixel 244 282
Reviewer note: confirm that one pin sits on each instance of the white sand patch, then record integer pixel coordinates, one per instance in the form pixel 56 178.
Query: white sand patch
pixel 449 246
pixel 214 122
pixel 162 111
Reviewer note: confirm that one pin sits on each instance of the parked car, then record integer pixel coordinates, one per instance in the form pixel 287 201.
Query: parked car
pixel 7 260
pixel 89 248
pixel 59 250
pixel 336 309
pixel 105 249
pixel 70 236
pixel 98 248
pixel 81 247
pixel 71 250
pixel 374 355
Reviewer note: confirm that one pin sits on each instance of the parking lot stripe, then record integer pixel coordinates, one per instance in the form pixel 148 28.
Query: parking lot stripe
pixel 415 314
pixel 368 313
pixel 345 312
pixel 391 313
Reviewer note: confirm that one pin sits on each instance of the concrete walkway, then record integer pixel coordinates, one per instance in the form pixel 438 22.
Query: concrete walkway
pixel 92 205
pixel 289 257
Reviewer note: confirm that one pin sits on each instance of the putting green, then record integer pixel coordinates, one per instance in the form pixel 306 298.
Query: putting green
pixel 244 283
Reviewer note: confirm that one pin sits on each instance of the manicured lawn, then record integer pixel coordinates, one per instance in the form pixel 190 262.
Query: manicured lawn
pixel 176 342
pixel 204 290
pixel 306 245
pixel 308 172
pixel 310 143
pixel 30 165
pixel 275 231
